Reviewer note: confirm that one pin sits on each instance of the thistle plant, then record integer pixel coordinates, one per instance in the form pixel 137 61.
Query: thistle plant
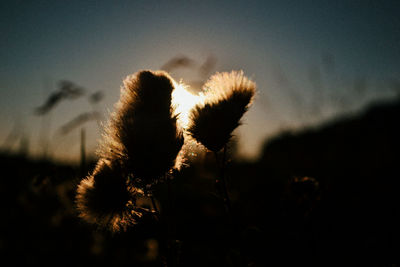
pixel 142 141
pixel 143 132
pixel 227 96
pixel 139 147
pixel 104 198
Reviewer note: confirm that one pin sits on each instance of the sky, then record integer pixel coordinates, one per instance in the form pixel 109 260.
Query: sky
pixel 311 60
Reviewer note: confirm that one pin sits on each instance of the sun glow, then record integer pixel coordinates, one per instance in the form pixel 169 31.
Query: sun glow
pixel 184 101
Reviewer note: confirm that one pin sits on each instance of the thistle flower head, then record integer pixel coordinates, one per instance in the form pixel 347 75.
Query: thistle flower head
pixel 104 198
pixel 142 132
pixel 227 97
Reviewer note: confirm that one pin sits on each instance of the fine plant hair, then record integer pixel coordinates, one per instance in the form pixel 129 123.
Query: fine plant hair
pixel 227 97
pixel 142 132
pixel 105 199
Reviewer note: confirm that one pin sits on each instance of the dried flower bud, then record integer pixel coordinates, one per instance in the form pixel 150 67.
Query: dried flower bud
pixel 227 97
pixel 143 132
pixel 105 199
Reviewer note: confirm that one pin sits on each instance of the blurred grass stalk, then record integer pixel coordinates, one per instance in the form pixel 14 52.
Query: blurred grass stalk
pixel 83 151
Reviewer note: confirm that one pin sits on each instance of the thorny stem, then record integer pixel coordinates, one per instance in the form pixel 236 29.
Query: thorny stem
pixel 221 166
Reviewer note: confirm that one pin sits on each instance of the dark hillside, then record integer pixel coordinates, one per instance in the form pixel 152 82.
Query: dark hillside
pixel 355 161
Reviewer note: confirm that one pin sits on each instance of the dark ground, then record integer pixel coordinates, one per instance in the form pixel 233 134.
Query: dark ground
pixel 348 207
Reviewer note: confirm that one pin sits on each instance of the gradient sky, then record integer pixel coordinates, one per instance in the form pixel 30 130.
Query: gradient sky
pixel 311 59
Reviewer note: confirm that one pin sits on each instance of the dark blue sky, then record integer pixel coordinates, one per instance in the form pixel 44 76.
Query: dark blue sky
pixel 306 56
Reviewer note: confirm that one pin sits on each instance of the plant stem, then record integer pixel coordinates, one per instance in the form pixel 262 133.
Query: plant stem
pixel 172 255
pixel 83 152
pixel 221 167
pixel 156 211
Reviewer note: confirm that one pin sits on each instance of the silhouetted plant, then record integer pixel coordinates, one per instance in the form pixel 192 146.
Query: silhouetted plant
pixel 67 90
pixel 139 147
pixel 304 195
pixel 142 132
pixel 104 198
pixel 227 98
pixel 180 61
pixel 142 141
pixel 78 121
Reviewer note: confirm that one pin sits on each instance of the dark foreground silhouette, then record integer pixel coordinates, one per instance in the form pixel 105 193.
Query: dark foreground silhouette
pixel 331 191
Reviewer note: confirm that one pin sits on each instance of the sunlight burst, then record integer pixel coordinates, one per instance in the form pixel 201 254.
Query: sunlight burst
pixel 184 101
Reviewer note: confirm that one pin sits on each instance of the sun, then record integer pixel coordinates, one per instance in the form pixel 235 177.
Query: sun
pixel 184 101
